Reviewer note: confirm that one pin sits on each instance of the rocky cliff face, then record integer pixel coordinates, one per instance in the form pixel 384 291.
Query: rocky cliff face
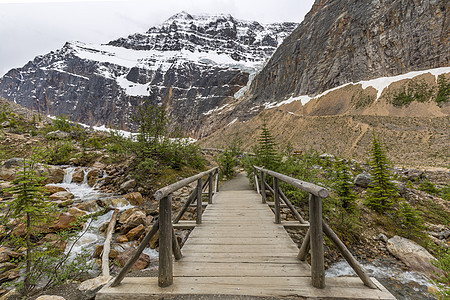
pixel 343 41
pixel 191 64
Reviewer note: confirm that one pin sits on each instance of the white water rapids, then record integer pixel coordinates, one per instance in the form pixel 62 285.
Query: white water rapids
pixel 90 235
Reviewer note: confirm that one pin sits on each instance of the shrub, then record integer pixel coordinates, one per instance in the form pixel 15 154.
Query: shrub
pixel 227 162
pixel 344 186
pixel 443 94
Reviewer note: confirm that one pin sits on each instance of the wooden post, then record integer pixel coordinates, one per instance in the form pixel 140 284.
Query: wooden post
pixel 210 188
pixel 263 187
pixel 165 276
pixel 136 254
pixel 276 188
pixel 316 233
pixel 304 249
pixel 255 179
pixel 348 256
pixel 216 189
pixel 175 246
pixel 199 201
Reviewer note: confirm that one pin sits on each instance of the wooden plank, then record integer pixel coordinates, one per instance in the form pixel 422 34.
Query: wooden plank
pixel 239 248
pixel 337 288
pixel 208 269
pixel 240 257
pixel 238 241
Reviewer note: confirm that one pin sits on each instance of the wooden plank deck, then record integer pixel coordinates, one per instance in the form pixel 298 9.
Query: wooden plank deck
pixel 239 250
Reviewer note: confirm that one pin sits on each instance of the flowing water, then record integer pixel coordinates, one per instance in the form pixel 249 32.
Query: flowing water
pixel 407 285
pixel 90 237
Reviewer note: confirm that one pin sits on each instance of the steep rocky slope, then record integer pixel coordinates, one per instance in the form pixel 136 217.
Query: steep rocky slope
pixel 190 64
pixel 349 40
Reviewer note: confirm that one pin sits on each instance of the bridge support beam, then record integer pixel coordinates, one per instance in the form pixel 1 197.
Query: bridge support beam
pixel 316 235
pixel 165 270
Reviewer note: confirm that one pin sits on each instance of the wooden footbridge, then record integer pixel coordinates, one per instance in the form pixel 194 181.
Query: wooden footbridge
pixel 239 247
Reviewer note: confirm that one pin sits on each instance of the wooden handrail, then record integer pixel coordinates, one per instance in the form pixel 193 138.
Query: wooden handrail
pixel 314 236
pixel 303 185
pixel 168 244
pixel 165 191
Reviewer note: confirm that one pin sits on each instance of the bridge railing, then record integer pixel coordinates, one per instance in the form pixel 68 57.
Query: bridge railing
pixel 168 243
pixel 314 236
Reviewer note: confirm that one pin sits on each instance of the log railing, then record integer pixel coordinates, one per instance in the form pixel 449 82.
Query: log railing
pixel 168 243
pixel 314 236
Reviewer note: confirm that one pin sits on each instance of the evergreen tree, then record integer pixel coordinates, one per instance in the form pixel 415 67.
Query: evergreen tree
pixel 409 218
pixel 29 204
pixel 344 186
pixel 267 155
pixel 381 191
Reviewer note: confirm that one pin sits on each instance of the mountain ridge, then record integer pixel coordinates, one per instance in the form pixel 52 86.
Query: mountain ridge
pixel 184 64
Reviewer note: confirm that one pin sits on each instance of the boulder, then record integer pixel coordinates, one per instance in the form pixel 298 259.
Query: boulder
pixel 115 202
pixel 401 187
pixel 4 257
pixel 90 206
pixel 126 214
pixel 414 175
pixel 92 176
pixel 413 255
pixel 5 124
pixel 134 198
pixel 91 286
pixel 154 241
pixel 128 185
pixel 78 176
pixel 136 219
pixel 51 189
pixel 122 239
pixel 13 163
pixel 362 180
pixel 55 175
pixel 140 264
pixel 135 233
pixel 61 196
pixel 58 134
pixel 99 249
pixel 74 211
pixel 7 174
pixel 64 222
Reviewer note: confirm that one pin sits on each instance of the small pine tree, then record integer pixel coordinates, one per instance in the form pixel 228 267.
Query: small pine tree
pixel 409 218
pixel 267 155
pixel 29 204
pixel 344 187
pixel 381 191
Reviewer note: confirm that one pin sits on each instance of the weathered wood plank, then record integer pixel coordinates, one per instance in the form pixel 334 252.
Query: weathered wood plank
pixel 342 288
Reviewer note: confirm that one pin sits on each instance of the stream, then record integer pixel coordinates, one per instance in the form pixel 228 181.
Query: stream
pixel 90 235
pixel 405 285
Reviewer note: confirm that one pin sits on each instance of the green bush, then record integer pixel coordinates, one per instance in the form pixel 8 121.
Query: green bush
pixel 429 187
pixel 61 153
pixel 443 280
pixel 343 186
pixel 443 94
pixel 409 219
pixel 61 123
pixel 227 162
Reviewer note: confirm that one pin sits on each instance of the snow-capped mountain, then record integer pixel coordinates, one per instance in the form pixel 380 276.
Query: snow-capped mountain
pixel 190 64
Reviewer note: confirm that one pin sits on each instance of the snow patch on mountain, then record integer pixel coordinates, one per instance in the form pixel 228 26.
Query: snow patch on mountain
pixel 379 84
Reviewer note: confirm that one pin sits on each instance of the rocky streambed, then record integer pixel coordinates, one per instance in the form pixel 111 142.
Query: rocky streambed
pixel 94 191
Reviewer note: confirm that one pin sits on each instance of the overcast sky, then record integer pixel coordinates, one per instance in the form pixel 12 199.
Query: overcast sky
pixel 30 27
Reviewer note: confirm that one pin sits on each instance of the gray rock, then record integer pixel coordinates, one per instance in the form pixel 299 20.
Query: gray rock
pixel 5 124
pixel 50 297
pixel 128 185
pixel 13 162
pixel 383 237
pixel 62 196
pixel 58 134
pixel 413 255
pixel 362 180
pixel 414 175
